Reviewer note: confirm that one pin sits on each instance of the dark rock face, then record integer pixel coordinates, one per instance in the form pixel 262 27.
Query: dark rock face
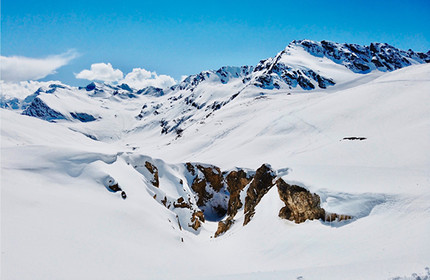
pixel 208 185
pixel 333 217
pixel 362 59
pixel 322 82
pixel 90 87
pixel 223 226
pixel 123 195
pixel 197 219
pixel 259 186
pixel 125 87
pixel 122 91
pixel 154 171
pixel 154 91
pixel 300 204
pixel 219 196
pixel 83 117
pixel 40 110
pixel 236 182
pixel 354 138
pixel 115 187
pixel 223 75
pixel 181 203
pixel 272 73
pixel 112 186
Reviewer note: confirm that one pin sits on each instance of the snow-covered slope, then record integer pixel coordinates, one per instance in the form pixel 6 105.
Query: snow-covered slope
pixel 107 182
pixel 301 66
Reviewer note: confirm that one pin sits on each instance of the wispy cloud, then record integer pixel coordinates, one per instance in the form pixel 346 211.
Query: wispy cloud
pixel 22 89
pixel 101 72
pixel 137 78
pixel 19 68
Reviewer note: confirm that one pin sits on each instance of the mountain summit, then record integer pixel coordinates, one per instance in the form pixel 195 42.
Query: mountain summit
pixel 310 65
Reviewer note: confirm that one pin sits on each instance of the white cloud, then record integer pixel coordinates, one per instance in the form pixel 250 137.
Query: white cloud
pixel 19 68
pixel 138 78
pixel 22 89
pixel 141 78
pixel 101 72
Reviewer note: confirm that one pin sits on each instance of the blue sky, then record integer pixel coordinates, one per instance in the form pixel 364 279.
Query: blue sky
pixel 181 38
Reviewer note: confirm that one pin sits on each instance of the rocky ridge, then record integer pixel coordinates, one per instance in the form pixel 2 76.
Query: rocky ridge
pixel 281 72
pixel 203 192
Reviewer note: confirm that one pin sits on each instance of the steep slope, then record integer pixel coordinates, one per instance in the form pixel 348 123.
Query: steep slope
pixel 311 64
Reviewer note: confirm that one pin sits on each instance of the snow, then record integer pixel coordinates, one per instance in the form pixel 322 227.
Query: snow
pixel 60 222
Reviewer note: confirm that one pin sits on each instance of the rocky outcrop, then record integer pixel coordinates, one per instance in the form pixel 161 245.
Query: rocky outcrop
pixel 196 220
pixel 260 185
pixel 300 204
pixel 363 59
pixel 223 226
pixel 222 75
pixel 333 217
pixel 205 193
pixel 83 117
pixel 154 91
pixel 236 182
pixel 208 185
pixel 40 110
pixel 181 203
pixel 112 185
pixel 154 171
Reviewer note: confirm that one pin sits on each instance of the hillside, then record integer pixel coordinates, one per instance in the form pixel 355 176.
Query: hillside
pixel 111 182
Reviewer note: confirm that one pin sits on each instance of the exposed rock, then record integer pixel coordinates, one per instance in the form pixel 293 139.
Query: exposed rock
pixel 259 186
pixel 150 90
pixel 83 117
pixel 223 226
pixel 223 75
pixel 354 138
pixel 197 219
pixel 154 171
pixel 274 73
pixel 179 223
pixel 208 184
pixel 164 201
pixel 219 196
pixel 115 187
pixel 300 204
pixel 123 195
pixel 40 110
pixel 111 184
pixel 333 217
pixel 180 203
pixel 213 176
pixel 236 182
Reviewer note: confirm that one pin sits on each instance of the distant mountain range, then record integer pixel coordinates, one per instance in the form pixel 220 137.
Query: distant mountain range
pixel 303 65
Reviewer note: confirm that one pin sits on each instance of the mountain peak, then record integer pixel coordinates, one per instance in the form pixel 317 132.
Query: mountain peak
pixel 311 64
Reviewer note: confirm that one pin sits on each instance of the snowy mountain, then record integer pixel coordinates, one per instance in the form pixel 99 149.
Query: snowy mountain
pixel 310 165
